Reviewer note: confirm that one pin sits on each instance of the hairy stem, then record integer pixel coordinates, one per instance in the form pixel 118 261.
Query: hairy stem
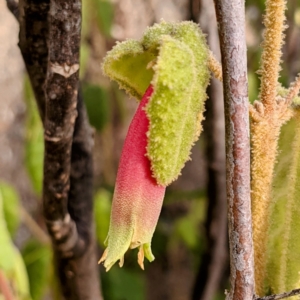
pixel 270 59
pixel 264 150
pixel 231 19
pixel 267 118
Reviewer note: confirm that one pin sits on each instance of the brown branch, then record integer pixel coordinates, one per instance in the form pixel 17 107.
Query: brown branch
pixel 79 276
pixel 33 44
pixel 280 296
pixel 231 19
pixel 68 211
pixel 61 89
pixel 68 190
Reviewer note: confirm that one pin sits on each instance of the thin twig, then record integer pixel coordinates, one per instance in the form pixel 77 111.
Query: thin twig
pixel 34 228
pixel 231 19
pixel 280 296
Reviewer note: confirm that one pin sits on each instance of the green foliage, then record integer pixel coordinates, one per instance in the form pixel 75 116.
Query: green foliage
pixel 34 144
pixel 11 262
pixel 11 207
pixel 187 227
pixel 37 258
pixel 283 263
pixel 123 284
pixel 104 14
pixel 171 113
pixel 102 206
pixel 127 64
pixel 173 58
pixel 96 100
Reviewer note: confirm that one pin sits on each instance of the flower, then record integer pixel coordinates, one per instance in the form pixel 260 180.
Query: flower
pixel 137 199
pixel 173 59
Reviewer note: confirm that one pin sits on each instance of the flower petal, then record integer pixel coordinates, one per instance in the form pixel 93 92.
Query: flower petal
pixel 137 197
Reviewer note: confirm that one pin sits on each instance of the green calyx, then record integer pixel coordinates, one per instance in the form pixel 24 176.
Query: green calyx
pixel 173 58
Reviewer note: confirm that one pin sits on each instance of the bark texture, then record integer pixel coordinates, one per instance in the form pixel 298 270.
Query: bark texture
pixel 33 38
pixel 61 89
pixel 78 274
pixel 49 42
pixel 231 19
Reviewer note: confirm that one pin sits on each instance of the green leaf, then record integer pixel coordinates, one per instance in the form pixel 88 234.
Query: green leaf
pixel 127 64
pixel 34 144
pixel 11 207
pixel 96 101
pixel 283 264
pixel 173 57
pixel 37 258
pixel 173 111
pixel 102 206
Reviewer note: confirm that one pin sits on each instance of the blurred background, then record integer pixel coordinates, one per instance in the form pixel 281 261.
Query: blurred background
pixel 190 242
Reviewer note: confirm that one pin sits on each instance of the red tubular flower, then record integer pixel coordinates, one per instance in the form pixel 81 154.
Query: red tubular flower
pixel 137 199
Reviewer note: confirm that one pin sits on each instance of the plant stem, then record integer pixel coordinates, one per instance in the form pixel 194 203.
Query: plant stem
pixel 61 90
pixel 71 215
pixel 34 228
pixel 267 117
pixel 281 296
pixel 34 33
pixel 270 59
pixel 231 19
